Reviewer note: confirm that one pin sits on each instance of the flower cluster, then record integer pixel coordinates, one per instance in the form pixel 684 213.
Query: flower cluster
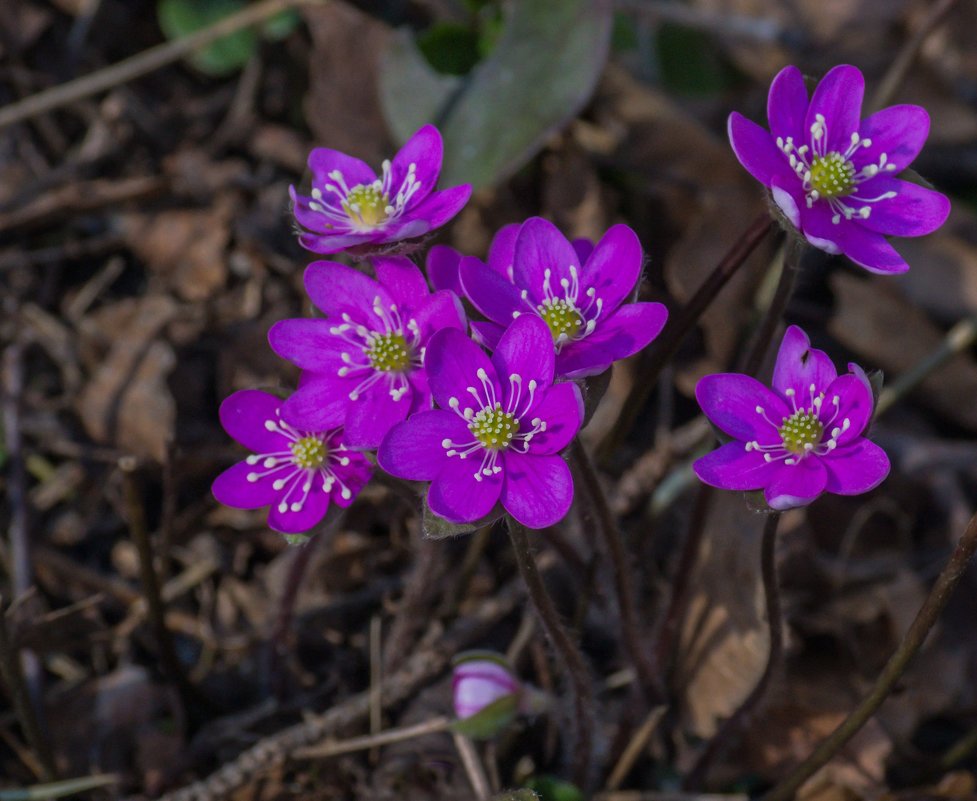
pixel 390 366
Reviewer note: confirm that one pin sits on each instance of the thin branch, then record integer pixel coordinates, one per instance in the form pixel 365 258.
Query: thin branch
pixel 330 749
pixel 570 658
pixel 926 618
pixel 143 63
pixel 473 767
pixel 734 726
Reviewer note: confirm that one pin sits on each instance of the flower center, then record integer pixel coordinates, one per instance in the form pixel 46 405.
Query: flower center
pixel 389 353
pixel 832 175
pixel 494 428
pixel 562 318
pixel 801 431
pixel 309 452
pixel 367 205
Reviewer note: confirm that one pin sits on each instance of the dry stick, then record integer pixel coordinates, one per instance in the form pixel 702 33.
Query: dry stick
pixel 927 616
pixel 635 747
pixel 13 677
pixel 663 348
pixel 896 73
pixel 571 660
pixel 150 584
pixel 621 570
pixel 473 767
pixel 734 726
pixel 329 749
pixel 142 63
pixel 959 752
pixel 424 665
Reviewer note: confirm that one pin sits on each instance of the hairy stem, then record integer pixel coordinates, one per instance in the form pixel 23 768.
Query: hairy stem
pixel 927 616
pixel 734 726
pixel 570 657
pixel 662 349
pixel 621 570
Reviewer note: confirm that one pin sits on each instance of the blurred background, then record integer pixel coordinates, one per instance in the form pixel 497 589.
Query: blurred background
pixel 146 246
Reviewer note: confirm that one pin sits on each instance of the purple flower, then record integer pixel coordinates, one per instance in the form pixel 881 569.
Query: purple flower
pixel 576 289
pixel 479 680
pixel 365 361
pixel 498 432
pixel 351 207
pixel 832 173
pixel 797 440
pixel 295 472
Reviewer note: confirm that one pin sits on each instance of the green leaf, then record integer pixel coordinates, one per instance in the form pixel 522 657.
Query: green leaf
pixel 541 72
pixel 552 789
pixel 491 720
pixel 179 18
pixel 436 527
pixel 281 25
pixel 450 48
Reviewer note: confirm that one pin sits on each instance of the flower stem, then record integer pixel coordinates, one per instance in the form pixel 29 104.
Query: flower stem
pixel 927 616
pixel 757 353
pixel 662 349
pixel 621 569
pixel 583 722
pixel 733 727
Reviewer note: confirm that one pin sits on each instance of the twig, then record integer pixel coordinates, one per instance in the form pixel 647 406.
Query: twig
pixel 570 658
pixel 963 748
pixel 620 570
pixel 142 63
pixel 957 339
pixel 423 666
pixel 903 61
pixel 62 789
pixel 473 767
pixel 635 747
pixel 927 616
pixel 368 741
pixel 734 726
pixel 662 349
pixel 13 677
pixel 150 583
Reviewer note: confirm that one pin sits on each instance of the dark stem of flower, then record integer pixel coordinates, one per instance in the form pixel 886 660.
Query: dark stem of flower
pixel 927 616
pixel 624 583
pixel 662 349
pixel 571 659
pixel 734 726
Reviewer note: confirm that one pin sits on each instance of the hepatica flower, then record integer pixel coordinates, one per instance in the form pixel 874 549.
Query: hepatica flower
pixel 497 433
pixel 832 174
pixel 295 472
pixel 351 207
pixel 800 438
pixel 577 290
pixel 365 361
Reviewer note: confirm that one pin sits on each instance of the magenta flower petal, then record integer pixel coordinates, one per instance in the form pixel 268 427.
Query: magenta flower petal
pixel 851 412
pixel 413 449
pixel 543 259
pixel 838 100
pixel 437 209
pixel 319 403
pixel 538 489
pixel 799 367
pixel 755 149
pixel 502 251
pixel 336 289
pixel 623 334
pixel 742 407
pixel 373 415
pixel 324 160
pixel 613 267
pixel 864 247
pixel 798 486
pixel 329 245
pixel 526 351
pixel 913 211
pixel 440 310
pixel 487 334
pixel 243 416
pixel 456 494
pixel 232 488
pixel 787 104
pixel 402 279
pixel 733 467
pixel 421 156
pixel 583 247
pixel 455 363
pixel 441 265
pixel 858 468
pixel 286 520
pixel 562 408
pixel 307 344
pixel 898 131
pixel 490 292
pixel 476 683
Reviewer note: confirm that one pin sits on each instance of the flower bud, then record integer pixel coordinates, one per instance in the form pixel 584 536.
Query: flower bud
pixel 486 694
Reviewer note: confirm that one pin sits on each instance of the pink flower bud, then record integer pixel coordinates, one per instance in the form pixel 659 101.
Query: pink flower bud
pixel 479 681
